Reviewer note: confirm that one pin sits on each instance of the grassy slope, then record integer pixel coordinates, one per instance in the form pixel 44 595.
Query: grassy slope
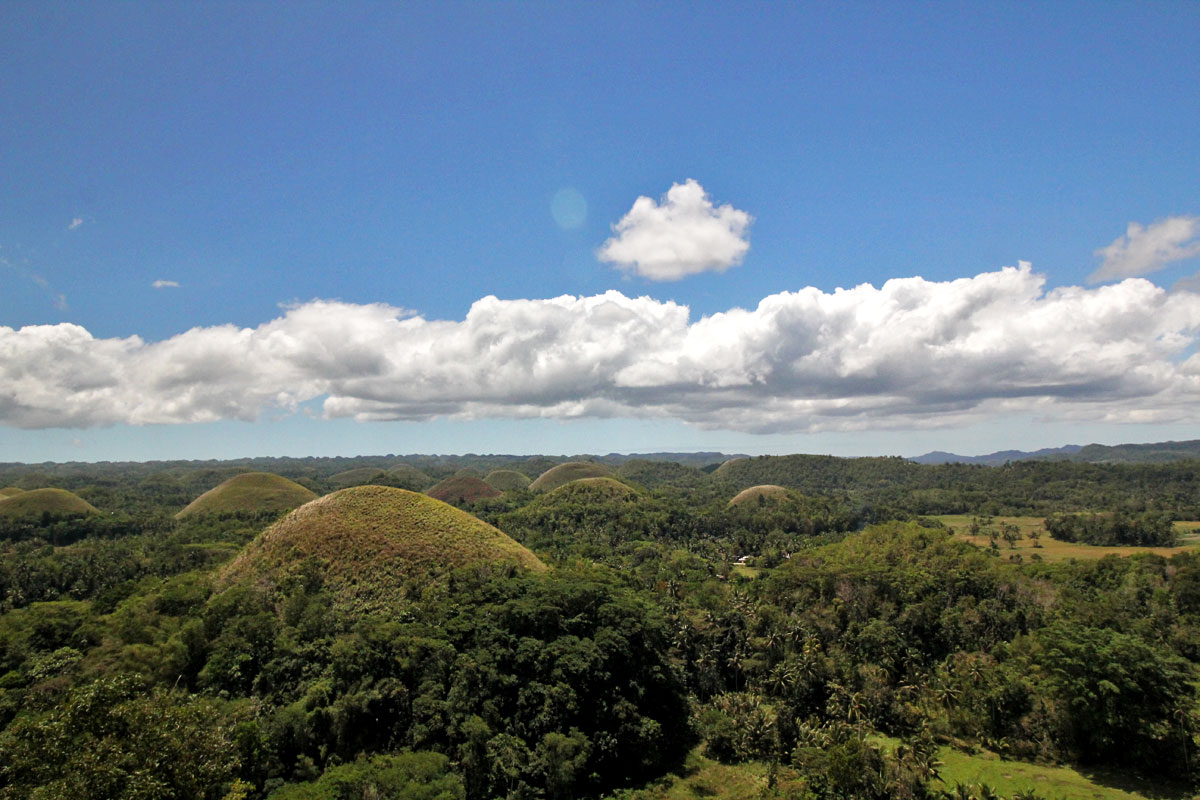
pixel 767 490
pixel 370 539
pixel 507 480
pixel 703 777
pixel 1067 783
pixel 593 489
pixel 463 489
pixel 1054 550
pixel 570 471
pixel 249 492
pixel 38 501
pixel 9 491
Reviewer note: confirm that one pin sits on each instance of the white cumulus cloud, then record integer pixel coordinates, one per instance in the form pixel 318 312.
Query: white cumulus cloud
pixel 910 353
pixel 161 284
pixel 684 235
pixel 1145 249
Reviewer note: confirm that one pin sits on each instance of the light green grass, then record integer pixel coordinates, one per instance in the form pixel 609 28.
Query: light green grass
pixel 250 492
pixel 1054 550
pixel 1065 783
pixel 701 777
pixel 56 502
pixel 507 480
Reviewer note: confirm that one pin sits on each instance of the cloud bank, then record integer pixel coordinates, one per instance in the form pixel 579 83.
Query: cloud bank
pixel 1143 249
pixel 912 353
pixel 686 235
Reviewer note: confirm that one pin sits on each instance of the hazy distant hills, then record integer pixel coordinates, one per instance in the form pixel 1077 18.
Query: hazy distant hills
pixel 1092 454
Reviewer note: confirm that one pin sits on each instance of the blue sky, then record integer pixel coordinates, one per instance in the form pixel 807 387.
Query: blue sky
pixel 260 162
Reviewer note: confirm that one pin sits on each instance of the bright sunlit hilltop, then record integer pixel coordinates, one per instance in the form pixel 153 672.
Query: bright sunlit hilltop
pixel 765 493
pixel 250 492
pixel 368 542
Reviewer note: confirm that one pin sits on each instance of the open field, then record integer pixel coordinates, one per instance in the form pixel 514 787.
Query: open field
pixel 1054 550
pixel 1065 783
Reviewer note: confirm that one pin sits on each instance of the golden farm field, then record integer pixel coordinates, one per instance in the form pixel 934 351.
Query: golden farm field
pixel 1048 549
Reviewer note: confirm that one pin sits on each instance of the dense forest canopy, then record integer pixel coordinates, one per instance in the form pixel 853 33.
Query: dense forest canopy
pixel 829 626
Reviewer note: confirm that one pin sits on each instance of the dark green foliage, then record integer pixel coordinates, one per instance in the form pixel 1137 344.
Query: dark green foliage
pixel 1146 530
pixel 481 683
pixel 117 739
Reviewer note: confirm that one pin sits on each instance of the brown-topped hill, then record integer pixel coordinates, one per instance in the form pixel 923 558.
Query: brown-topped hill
pixel 368 541
pixel 765 493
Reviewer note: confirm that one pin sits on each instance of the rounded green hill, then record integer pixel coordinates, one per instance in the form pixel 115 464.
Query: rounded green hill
pixel 368 541
pixel 406 476
pixel 570 471
pixel 56 502
pixel 507 480
pixel 463 489
pixel 249 492
pixel 765 493
pixel 593 490
pixel 9 491
pixel 357 477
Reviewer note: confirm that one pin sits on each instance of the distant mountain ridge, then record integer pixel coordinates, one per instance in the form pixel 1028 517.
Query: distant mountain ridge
pixel 1154 452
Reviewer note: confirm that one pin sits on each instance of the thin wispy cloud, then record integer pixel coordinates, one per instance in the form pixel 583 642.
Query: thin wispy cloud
pixel 684 235
pixel 910 353
pixel 161 284
pixel 57 298
pixel 75 223
pixel 1146 249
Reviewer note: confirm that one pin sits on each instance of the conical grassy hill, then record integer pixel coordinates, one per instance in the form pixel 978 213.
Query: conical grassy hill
pixel 57 502
pixel 249 492
pixel 369 541
pixel 570 471
pixel 592 490
pixel 9 491
pixel 409 477
pixel 767 492
pixel 507 480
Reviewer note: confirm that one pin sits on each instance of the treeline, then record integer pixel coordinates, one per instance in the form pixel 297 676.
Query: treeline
pixel 1146 530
